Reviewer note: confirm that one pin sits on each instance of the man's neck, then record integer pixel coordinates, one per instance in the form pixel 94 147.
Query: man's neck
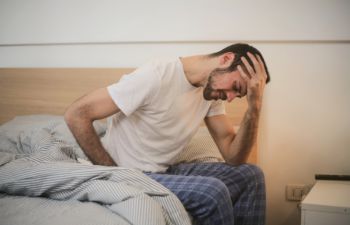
pixel 197 69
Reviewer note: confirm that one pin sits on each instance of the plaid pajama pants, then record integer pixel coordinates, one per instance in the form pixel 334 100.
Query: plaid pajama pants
pixel 218 193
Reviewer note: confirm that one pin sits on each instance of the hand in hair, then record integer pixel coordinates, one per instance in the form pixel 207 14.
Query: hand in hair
pixel 256 80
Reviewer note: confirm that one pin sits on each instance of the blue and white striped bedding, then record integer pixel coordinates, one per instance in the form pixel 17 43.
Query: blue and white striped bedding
pixel 41 182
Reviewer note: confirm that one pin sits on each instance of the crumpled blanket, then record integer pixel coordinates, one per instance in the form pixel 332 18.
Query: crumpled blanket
pixel 36 161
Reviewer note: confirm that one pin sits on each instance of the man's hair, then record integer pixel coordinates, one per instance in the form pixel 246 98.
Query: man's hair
pixel 240 50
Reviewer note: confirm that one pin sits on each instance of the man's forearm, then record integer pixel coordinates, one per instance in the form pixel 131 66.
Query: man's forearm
pixel 89 141
pixel 245 138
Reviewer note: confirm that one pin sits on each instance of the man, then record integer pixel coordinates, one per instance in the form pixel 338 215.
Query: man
pixel 159 107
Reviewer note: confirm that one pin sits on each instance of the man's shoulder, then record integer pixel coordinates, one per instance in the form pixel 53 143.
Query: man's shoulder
pixel 159 65
pixel 160 72
pixel 164 63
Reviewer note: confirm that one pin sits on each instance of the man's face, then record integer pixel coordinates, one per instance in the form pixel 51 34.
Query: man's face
pixel 225 86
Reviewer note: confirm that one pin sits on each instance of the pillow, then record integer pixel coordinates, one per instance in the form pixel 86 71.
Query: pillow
pixel 55 122
pixel 23 126
pixel 201 148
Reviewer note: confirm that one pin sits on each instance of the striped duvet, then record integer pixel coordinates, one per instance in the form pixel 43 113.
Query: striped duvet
pixel 38 168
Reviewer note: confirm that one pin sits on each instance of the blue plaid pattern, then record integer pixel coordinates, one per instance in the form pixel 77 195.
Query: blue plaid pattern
pixel 218 193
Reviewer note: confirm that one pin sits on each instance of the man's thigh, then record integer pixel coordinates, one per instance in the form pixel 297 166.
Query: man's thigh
pixel 236 178
pixel 186 186
pixel 201 196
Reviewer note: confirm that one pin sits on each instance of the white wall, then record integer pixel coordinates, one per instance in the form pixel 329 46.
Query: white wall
pixel 114 33
pixel 305 127
pixel 71 21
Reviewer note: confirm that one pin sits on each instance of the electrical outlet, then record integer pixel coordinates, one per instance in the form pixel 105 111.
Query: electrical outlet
pixel 296 192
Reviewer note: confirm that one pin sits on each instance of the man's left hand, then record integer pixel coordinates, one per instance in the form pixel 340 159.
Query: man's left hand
pixel 256 80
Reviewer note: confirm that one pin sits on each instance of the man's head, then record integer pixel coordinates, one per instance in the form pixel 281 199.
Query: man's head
pixel 227 83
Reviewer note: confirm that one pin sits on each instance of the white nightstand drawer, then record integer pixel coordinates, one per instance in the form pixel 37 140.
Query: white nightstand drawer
pixel 328 203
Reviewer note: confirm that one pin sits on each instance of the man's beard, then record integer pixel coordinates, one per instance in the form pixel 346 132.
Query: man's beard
pixel 209 91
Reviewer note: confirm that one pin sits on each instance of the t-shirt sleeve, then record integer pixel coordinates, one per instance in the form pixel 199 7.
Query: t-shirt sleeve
pixel 135 90
pixel 216 108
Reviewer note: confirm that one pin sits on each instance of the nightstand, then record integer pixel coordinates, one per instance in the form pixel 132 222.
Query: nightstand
pixel 328 203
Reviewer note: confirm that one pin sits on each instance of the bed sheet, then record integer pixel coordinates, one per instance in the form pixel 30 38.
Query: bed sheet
pixel 19 210
pixel 42 182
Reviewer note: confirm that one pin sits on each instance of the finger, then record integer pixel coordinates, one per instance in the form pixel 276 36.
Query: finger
pixel 262 64
pixel 256 64
pixel 243 74
pixel 245 70
pixel 247 66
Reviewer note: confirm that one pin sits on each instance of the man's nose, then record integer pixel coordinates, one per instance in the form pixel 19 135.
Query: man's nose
pixel 230 96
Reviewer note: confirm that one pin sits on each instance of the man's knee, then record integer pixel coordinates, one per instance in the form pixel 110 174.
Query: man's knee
pixel 216 188
pixel 212 194
pixel 254 179
pixel 253 171
pixel 246 174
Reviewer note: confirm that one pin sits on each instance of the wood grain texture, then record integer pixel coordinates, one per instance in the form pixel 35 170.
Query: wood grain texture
pixel 27 91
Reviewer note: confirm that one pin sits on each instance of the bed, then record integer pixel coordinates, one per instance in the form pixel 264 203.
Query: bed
pixel 46 179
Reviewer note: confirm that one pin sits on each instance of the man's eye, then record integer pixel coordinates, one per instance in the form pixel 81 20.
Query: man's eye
pixel 236 89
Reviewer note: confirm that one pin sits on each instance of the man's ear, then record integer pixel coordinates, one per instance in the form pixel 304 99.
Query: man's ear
pixel 226 59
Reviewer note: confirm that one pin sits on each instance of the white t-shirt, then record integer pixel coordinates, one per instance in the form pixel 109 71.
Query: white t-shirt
pixel 160 112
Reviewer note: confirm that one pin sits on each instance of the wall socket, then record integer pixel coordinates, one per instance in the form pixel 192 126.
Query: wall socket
pixel 297 192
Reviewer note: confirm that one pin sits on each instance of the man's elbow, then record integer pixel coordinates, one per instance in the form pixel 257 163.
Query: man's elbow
pixel 69 116
pixel 77 114
pixel 72 115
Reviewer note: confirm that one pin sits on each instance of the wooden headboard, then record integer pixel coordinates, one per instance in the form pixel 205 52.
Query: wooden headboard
pixel 28 91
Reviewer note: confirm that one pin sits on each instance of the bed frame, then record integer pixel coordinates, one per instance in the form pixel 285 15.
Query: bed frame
pixel 25 91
